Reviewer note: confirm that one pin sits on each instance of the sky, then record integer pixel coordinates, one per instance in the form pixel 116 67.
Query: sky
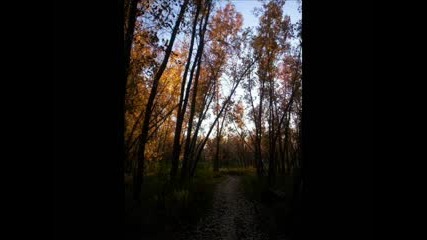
pixel 245 7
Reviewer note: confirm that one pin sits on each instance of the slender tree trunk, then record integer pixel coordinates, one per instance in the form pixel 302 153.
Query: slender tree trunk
pixel 176 149
pixel 187 154
pixel 206 104
pixel 199 123
pixel 180 121
pixel 216 160
pixel 272 142
pixel 218 141
pixel 260 166
pixel 130 10
pixel 226 102
pixel 148 108
pixel 281 152
pixel 286 145
pixel 218 134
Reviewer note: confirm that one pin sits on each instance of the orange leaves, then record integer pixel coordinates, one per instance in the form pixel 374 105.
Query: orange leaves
pixel 222 36
pixel 225 26
pixel 238 114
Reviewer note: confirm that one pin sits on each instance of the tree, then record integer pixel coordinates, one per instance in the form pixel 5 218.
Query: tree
pixel 150 102
pixel 130 12
pixel 270 43
pixel 238 72
pixel 206 10
pixel 184 97
pixel 222 42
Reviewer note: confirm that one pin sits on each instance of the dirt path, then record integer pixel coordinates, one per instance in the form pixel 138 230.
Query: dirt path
pixel 232 216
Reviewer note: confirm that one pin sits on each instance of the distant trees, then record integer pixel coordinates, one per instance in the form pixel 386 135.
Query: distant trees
pixel 271 90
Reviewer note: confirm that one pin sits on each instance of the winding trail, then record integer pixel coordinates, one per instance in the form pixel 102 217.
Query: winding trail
pixel 232 216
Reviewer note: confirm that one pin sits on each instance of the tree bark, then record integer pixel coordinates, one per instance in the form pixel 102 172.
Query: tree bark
pixel 176 149
pixel 185 168
pixel 153 92
pixel 130 10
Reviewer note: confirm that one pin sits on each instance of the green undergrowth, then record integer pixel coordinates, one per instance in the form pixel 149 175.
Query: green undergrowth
pixel 169 206
pixel 273 202
pixel 237 171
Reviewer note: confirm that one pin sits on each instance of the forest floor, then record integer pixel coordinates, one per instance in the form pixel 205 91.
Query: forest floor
pixel 233 214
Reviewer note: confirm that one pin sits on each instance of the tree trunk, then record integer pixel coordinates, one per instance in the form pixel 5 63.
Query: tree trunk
pixel 260 164
pixel 130 10
pixel 176 149
pixel 281 153
pixel 180 120
pixel 272 142
pixel 148 108
pixel 200 148
pixel 187 154
pixel 218 134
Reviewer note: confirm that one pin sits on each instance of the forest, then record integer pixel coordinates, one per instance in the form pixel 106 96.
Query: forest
pixel 213 113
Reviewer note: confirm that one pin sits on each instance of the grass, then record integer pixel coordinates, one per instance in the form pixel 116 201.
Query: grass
pixel 237 171
pixel 274 202
pixel 274 209
pixel 167 207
